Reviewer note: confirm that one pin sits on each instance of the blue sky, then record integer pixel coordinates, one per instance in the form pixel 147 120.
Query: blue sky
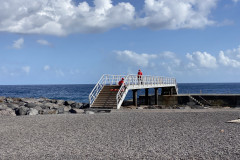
pixel 75 42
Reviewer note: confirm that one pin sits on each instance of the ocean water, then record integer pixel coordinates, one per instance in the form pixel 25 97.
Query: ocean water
pixel 80 92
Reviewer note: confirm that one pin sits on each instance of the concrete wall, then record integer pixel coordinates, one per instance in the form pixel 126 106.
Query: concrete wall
pixel 224 100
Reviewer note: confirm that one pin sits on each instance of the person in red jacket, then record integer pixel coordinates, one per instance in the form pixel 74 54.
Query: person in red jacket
pixel 121 82
pixel 139 76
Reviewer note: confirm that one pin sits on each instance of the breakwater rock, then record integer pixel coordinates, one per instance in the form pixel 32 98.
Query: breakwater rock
pixel 35 106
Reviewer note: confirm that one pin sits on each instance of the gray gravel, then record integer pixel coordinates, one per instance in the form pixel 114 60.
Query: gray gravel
pixel 134 134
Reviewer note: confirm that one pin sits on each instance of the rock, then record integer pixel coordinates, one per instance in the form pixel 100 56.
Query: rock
pixel 140 108
pixel 44 107
pixel 76 105
pixel 76 111
pixel 84 105
pixel 30 105
pixel 60 102
pixel 51 105
pixel 66 103
pixel 69 103
pixel 38 108
pixel 88 112
pixel 29 100
pixel 72 111
pixel 32 112
pixel 8 112
pixel 60 110
pixel 9 100
pixel 53 111
pixel 53 101
pixel 79 111
pixel 2 99
pixel 22 111
pixel 43 100
pixel 67 108
pixel 13 106
pixel 3 107
pixel 17 100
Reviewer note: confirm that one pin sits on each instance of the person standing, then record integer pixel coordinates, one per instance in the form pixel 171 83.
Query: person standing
pixel 139 76
pixel 121 82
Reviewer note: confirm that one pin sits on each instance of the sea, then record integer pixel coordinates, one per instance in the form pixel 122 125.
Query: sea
pixel 80 92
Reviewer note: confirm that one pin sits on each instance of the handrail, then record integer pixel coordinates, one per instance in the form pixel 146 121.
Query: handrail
pixel 104 80
pixel 134 81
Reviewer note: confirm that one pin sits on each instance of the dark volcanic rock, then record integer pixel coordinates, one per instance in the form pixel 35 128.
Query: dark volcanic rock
pixel 72 111
pixel 76 105
pixel 85 105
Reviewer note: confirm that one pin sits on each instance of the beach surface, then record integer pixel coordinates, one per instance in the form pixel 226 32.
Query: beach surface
pixel 123 134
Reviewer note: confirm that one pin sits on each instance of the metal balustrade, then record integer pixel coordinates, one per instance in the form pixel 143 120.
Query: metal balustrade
pixel 130 82
pixel 142 82
pixel 104 80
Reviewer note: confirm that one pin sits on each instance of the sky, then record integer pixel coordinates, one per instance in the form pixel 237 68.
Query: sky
pixel 77 41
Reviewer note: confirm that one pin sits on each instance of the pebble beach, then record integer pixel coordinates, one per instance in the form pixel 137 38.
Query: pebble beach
pixel 123 134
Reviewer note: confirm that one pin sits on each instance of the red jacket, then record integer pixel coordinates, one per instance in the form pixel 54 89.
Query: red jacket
pixel 139 74
pixel 120 82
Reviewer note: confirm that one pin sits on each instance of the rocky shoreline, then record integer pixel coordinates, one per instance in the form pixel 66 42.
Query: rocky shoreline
pixel 41 106
pixel 34 106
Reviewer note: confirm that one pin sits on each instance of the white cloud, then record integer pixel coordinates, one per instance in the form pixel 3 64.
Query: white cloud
pixel 171 58
pixel 175 14
pixel 202 59
pixel 226 61
pixel 235 1
pixel 62 17
pixel 140 60
pixel 166 62
pixel 18 43
pixel 26 69
pixel 46 67
pixel 44 42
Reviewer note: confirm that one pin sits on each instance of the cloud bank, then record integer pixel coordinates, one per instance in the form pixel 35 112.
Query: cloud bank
pixel 63 17
pixel 170 62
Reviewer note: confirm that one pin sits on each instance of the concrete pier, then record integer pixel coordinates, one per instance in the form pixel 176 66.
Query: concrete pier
pixel 146 96
pixel 135 97
pixel 156 96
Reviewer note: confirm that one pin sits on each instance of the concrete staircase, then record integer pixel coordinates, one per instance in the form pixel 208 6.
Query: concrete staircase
pixel 107 98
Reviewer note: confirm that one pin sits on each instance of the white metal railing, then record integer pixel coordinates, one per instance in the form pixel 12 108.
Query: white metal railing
pixel 137 82
pixel 104 80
